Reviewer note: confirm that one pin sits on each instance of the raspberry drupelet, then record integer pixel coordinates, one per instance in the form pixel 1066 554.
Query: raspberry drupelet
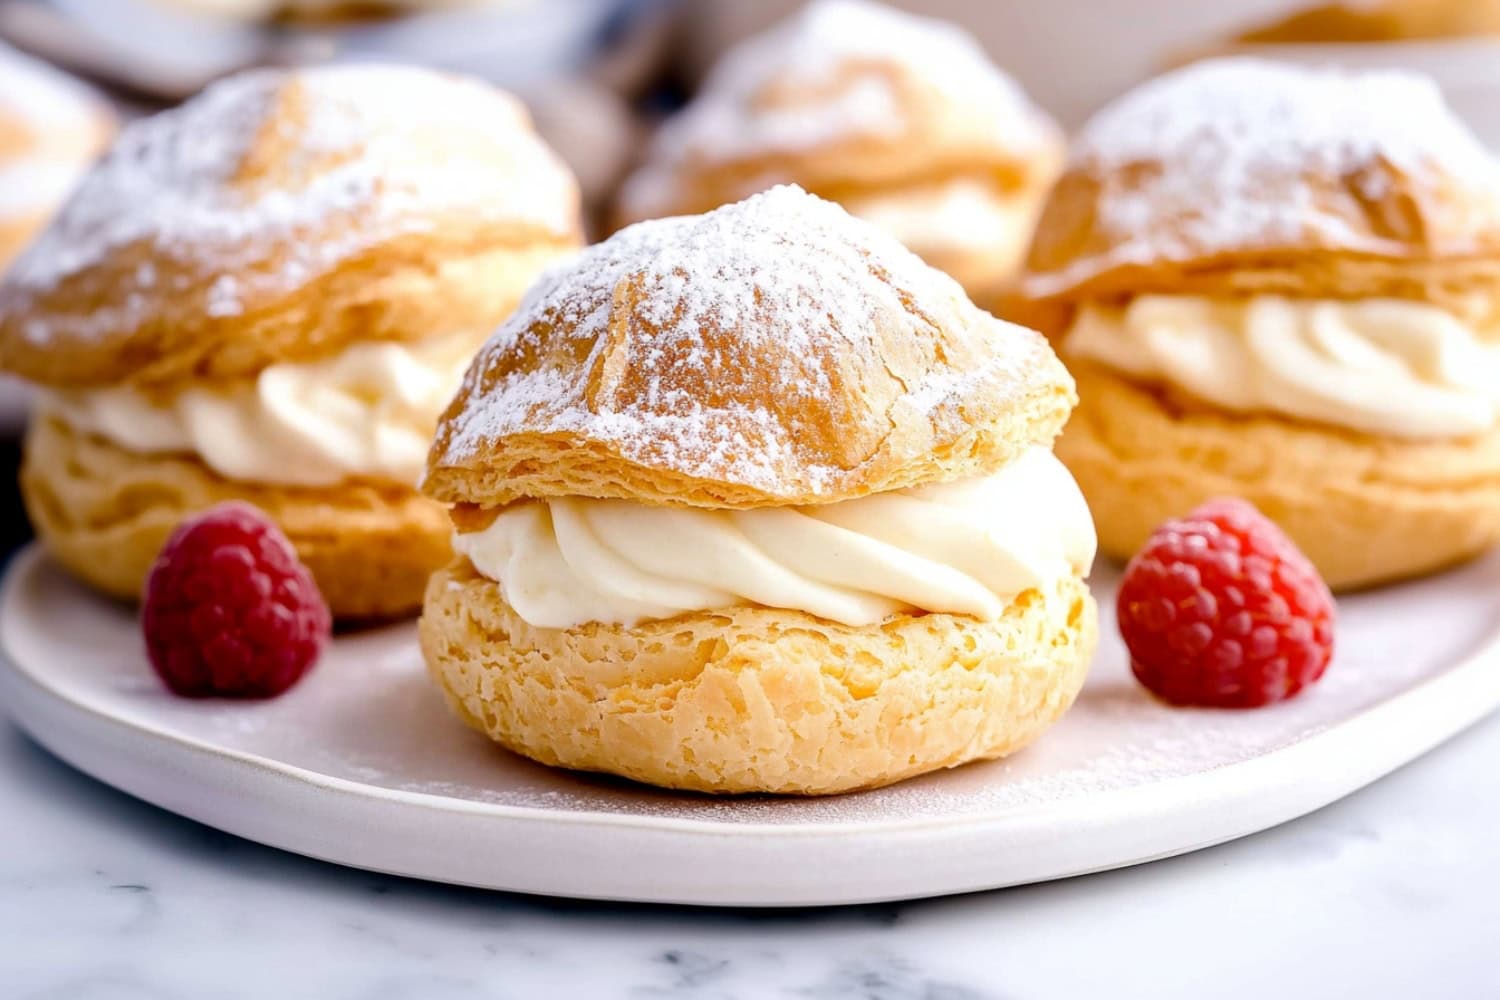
pixel 1221 609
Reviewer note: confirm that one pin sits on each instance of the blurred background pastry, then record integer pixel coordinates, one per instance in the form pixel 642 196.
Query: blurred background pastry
pixel 1373 21
pixel 756 501
pixel 270 293
pixel 51 128
pixel 1070 56
pixel 902 120
pixel 1456 42
pixel 578 64
pixel 598 73
pixel 1284 285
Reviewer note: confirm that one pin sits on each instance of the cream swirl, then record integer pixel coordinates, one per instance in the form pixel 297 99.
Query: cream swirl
pixel 963 548
pixel 961 215
pixel 1382 366
pixel 367 412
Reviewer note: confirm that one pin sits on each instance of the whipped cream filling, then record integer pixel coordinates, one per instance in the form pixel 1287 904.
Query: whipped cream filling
pixel 1381 366
pixel 963 548
pixel 367 412
pixel 962 215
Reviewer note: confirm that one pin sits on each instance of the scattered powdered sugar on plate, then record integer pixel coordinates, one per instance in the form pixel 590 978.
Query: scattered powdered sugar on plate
pixel 775 291
pixel 759 98
pixel 51 125
pixel 1236 140
pixel 398 734
pixel 302 168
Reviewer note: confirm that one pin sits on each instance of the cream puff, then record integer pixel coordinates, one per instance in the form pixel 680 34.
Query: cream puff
pixel 756 501
pixel 51 128
pixel 1376 21
pixel 271 293
pixel 1281 284
pixel 901 119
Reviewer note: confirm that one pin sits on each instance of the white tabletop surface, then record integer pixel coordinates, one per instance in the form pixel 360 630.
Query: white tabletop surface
pixel 1389 893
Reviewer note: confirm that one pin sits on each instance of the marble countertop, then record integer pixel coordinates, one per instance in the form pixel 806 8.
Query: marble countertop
pixel 1391 892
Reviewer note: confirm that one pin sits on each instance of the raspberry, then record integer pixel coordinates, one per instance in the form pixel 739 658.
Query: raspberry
pixel 229 609
pixel 1220 608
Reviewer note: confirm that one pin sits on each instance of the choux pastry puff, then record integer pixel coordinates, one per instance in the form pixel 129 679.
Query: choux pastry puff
pixel 1378 21
pixel 51 128
pixel 270 293
pixel 1282 284
pixel 756 501
pixel 901 119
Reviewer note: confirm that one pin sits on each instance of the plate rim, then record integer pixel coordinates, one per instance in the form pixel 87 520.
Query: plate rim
pixel 1477 672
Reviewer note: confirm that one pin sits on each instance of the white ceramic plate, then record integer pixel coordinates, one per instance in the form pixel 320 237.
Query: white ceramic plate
pixel 360 764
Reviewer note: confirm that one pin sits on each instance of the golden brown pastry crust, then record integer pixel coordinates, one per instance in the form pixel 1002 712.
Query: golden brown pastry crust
pixel 980 270
pixel 1194 185
pixel 797 106
pixel 753 699
pixel 409 289
pixel 1418 239
pixel 920 155
pixel 1382 21
pixel 930 139
pixel 343 238
pixel 927 387
pixel 104 513
pixel 1365 509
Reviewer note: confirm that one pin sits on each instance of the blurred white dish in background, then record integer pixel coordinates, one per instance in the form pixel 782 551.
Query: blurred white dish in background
pixel 183 44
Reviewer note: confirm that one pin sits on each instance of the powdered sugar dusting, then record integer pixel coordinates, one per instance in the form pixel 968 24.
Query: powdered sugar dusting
pixel 1235 139
pixel 362 153
pixel 743 108
pixel 760 293
pixel 399 735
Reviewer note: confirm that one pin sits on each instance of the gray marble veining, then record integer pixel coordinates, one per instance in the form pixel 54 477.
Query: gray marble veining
pixel 1392 892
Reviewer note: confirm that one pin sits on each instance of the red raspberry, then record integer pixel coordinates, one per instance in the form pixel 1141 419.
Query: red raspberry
pixel 229 609
pixel 1220 608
